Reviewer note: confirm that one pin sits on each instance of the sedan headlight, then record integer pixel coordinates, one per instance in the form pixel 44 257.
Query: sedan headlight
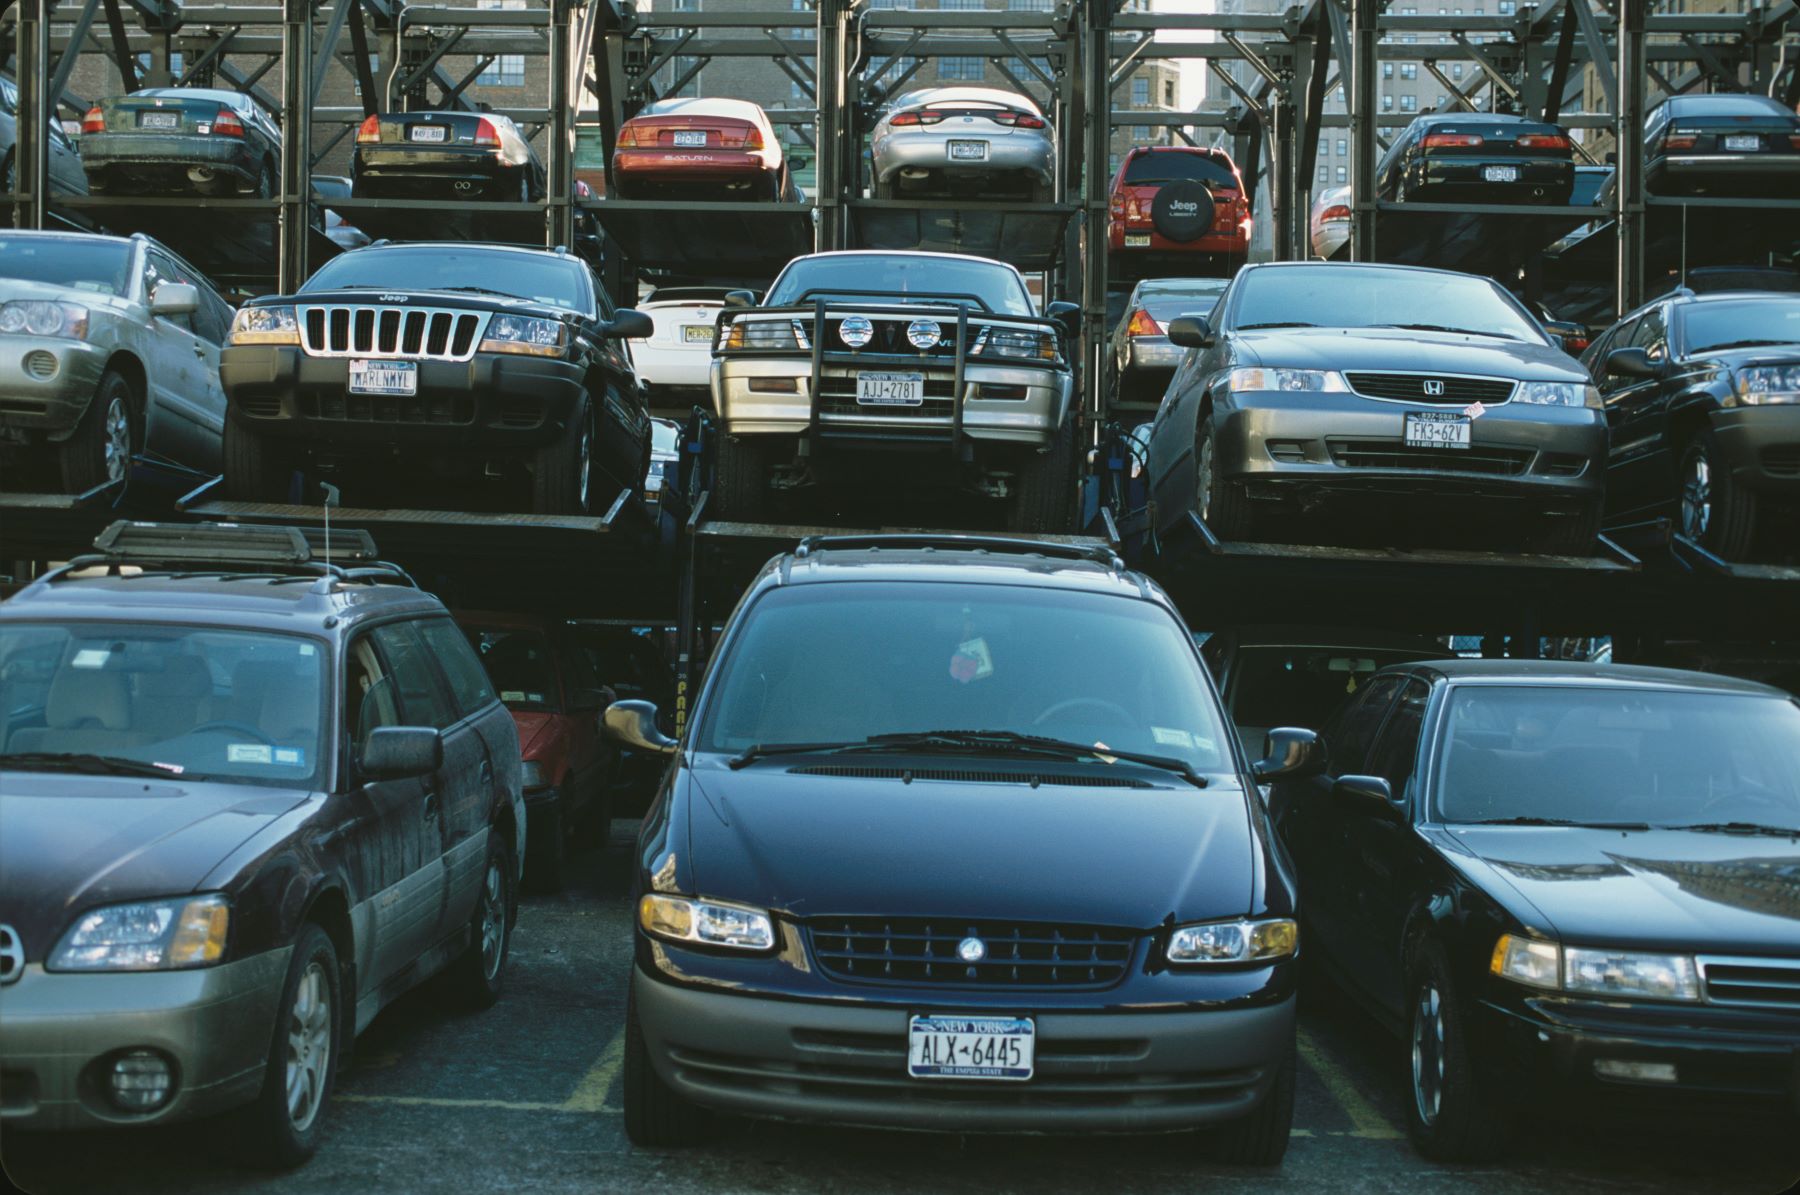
pixel 1234 941
pixel 44 317
pixel 1595 971
pixel 154 935
pixel 1557 394
pixel 264 325
pixel 762 335
pixel 1017 344
pixel 1324 381
pixel 705 922
pixel 521 334
pixel 1760 385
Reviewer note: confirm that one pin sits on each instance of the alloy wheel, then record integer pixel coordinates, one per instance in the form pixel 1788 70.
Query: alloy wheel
pixel 118 439
pixel 1205 478
pixel 585 464
pixel 1696 493
pixel 1428 1053
pixel 493 921
pixel 309 1046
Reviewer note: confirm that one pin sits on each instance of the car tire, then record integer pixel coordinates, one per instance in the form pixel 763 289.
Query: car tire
pixel 1221 504
pixel 1261 1138
pixel 479 973
pixel 1711 507
pixel 563 474
pixel 109 435
pixel 280 1128
pixel 1450 1115
pixel 265 180
pixel 252 472
pixel 656 1115
pixel 547 849
pixel 1567 535
pixel 741 479
pixel 1045 497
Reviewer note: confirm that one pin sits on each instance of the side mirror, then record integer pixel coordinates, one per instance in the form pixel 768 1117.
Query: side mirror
pixel 399 752
pixel 1289 754
pixel 1369 795
pixel 175 298
pixel 1068 315
pixel 1191 332
pixel 633 723
pixel 1564 329
pixel 583 701
pixel 740 298
pixel 1631 363
pixel 628 324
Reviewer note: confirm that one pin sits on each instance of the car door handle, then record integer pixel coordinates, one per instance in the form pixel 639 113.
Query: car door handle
pixel 431 807
pixel 199 352
pixel 487 772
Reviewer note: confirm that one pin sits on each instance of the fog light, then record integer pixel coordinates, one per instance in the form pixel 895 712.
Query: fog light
pixel 40 365
pixel 1635 1072
pixel 141 1081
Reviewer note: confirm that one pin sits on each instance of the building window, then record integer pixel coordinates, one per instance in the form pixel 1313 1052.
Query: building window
pixel 1442 99
pixel 1168 93
pixel 1387 103
pixel 1409 103
pixel 1343 147
pixel 1387 70
pixel 1140 132
pixel 1506 8
pixel 1322 171
pixel 1409 70
pixel 1031 5
pixel 963 69
pixel 895 71
pixel 1456 69
pixel 508 70
pixel 960 5
pixel 1343 174
pixel 1140 93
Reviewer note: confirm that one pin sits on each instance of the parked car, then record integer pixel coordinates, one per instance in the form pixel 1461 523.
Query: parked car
pixel 1703 396
pixel 64 160
pixel 250 800
pixel 664 477
pixel 1433 389
pixel 109 351
pixel 631 662
pixel 1743 145
pixel 963 142
pixel 438 360
pixel 339 231
pixel 1477 157
pixel 684 148
pixel 181 140
pixel 1178 207
pixel 556 700
pixel 1142 352
pixel 896 333
pixel 445 155
pixel 677 356
pixel 1559 882
pixel 1330 222
pixel 1109 913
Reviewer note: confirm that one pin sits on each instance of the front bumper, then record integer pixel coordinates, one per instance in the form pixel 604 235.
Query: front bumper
pixel 1761 446
pixel 844 1061
pixel 1008 154
pixel 53 403
pixel 57 1031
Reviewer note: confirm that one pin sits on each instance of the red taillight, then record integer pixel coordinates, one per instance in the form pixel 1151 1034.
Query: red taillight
pixel 628 137
pixel 1543 141
pixel 369 130
pixel 1118 205
pixel 1794 141
pixel 1680 140
pixel 902 119
pixel 227 124
pixel 1028 121
pixel 1337 211
pixel 1577 344
pixel 94 121
pixel 487 134
pixel 912 118
pixel 753 139
pixel 1142 325
pixel 1452 141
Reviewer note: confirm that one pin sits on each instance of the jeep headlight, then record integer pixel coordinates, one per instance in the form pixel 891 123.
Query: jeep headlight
pixel 44 317
pixel 763 335
pixel 1323 381
pixel 264 325
pixel 1018 344
pixel 152 935
pixel 1595 971
pixel 705 922
pixel 1234 941
pixel 523 334
pixel 1557 394
pixel 1759 385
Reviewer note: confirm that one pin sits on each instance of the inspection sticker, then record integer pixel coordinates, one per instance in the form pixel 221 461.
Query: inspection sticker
pixel 1171 737
pixel 249 753
pixel 291 757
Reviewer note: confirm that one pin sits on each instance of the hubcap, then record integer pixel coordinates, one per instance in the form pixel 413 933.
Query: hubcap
pixel 1206 477
pixel 118 440
pixel 1696 494
pixel 309 1046
pixel 1428 1053
pixel 585 464
pixel 493 921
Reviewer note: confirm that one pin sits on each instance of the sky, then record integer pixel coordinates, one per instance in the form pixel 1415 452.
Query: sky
pixel 1193 73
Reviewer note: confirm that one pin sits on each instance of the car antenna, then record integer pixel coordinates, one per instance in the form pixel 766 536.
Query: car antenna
pixel 331 500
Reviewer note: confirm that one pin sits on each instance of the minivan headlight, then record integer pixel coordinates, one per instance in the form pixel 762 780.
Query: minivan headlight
pixel 152 935
pixel 1234 941
pixel 522 334
pixel 705 922
pixel 1759 385
pixel 264 325
pixel 1324 381
pixel 1595 971
pixel 1557 394
pixel 44 317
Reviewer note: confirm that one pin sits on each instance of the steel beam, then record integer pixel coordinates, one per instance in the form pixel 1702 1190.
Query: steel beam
pixel 65 64
pixel 1093 101
pixel 1365 43
pixel 121 46
pixel 559 167
pixel 31 145
pixel 1629 137
pixel 296 144
pixel 838 172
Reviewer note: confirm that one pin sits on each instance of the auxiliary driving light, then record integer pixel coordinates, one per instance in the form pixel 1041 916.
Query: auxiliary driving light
pixel 140 1081
pixel 856 331
pixel 924 333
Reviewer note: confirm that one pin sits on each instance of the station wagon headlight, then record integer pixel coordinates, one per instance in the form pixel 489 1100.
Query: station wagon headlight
pixel 1017 344
pixel 520 334
pixel 1234 941
pixel 1322 381
pixel 264 325
pixel 1557 394
pixel 44 317
pixel 1760 385
pixel 154 935
pixel 705 922
pixel 767 334
pixel 1595 971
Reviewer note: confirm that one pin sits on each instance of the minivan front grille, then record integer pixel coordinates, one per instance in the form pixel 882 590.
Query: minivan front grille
pixel 1758 982
pixel 430 333
pixel 1420 387
pixel 1393 454
pixel 924 952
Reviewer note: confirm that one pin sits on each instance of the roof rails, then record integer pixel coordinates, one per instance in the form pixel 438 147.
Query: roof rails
pixel 1066 549
pixel 347 556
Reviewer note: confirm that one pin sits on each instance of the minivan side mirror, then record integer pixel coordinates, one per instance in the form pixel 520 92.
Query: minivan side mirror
pixel 1289 753
pixel 1631 363
pixel 400 752
pixel 740 298
pixel 175 298
pixel 629 324
pixel 1369 795
pixel 633 723
pixel 1191 332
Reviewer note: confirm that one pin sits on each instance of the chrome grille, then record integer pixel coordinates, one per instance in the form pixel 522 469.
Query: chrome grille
pixel 412 332
pixel 1411 387
pixel 1757 982
pixel 922 951
pixel 12 955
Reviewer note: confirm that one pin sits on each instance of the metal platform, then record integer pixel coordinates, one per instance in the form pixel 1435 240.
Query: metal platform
pixel 1493 239
pixel 449 220
pixel 707 239
pixel 45 527
pixel 1031 236
pixel 233 241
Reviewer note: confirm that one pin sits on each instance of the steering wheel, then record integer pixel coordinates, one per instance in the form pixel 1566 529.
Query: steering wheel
pixel 1118 712
pixel 224 724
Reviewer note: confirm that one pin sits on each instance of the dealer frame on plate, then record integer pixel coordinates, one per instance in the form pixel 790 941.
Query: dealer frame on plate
pixel 1438 429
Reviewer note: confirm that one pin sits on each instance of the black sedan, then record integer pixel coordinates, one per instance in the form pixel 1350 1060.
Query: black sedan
pixel 1422 389
pixel 1483 157
pixel 1703 396
pixel 1722 145
pixel 1560 880
pixel 180 140
pixel 445 155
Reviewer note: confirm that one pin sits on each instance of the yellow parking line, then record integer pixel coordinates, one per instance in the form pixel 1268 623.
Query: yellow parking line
pixel 590 1093
pixel 1367 1121
pixel 589 1096
pixel 426 1101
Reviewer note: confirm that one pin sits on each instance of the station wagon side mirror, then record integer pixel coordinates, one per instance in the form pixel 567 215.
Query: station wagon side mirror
pixel 1067 315
pixel 740 298
pixel 1289 753
pixel 1191 332
pixel 629 324
pixel 1632 363
pixel 1368 795
pixel 175 298
pixel 399 752
pixel 633 723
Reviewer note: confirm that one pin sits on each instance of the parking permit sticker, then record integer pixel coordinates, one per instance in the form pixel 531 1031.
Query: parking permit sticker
pixel 1171 737
pixel 249 753
pixel 972 661
pixel 512 695
pixel 90 657
pixel 291 757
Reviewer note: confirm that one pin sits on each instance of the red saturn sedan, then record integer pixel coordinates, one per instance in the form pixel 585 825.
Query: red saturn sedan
pixel 1178 209
pixel 701 149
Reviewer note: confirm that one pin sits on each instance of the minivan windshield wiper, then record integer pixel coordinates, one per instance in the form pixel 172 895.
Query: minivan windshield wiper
pixel 1445 328
pixel 972 741
pixel 103 765
pixel 1285 323
pixel 1741 828
pixel 1524 820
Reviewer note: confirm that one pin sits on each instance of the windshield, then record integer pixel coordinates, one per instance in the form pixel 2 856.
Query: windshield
pixel 1620 755
pixel 1176 166
pixel 871 275
pixel 544 278
pixel 1165 302
pixel 1716 324
pixel 840 663
pixel 204 704
pixel 518 662
pixel 80 263
pixel 1349 296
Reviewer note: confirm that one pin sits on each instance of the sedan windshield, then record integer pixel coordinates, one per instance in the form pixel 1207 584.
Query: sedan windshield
pixel 518 662
pixel 842 663
pixel 79 263
pixel 543 278
pixel 872 275
pixel 1752 323
pixel 1350 296
pixel 200 704
pixel 1616 755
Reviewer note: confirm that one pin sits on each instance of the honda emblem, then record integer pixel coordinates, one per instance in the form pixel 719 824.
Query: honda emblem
pixel 1434 388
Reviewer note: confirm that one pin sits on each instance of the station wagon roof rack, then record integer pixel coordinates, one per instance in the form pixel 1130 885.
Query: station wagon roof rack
pixel 1066 549
pixel 350 555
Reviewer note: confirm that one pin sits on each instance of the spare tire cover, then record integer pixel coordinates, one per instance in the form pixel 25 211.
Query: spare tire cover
pixel 1182 211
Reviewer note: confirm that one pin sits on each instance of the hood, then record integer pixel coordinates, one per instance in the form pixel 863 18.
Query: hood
pixel 401 297
pixel 1656 889
pixel 1763 354
pixel 1402 350
pixel 815 845
pixel 19 288
pixel 69 843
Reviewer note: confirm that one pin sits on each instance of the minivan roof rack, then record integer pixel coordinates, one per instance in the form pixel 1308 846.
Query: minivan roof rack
pixel 1094 551
pixel 351 555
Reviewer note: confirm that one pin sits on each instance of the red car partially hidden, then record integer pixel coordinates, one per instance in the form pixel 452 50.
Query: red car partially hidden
pixel 701 149
pixel 1178 209
pixel 557 702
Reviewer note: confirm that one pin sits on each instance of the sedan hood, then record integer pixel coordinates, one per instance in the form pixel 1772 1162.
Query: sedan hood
pixel 816 845
pixel 69 843
pixel 1672 889
pixel 1395 349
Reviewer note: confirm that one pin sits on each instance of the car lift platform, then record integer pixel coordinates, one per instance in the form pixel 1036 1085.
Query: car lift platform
pixel 1031 236
pixel 47 527
pixel 229 239
pixel 507 223
pixel 706 238
pixel 1495 239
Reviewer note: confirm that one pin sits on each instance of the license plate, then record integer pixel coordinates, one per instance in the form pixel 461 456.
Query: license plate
pixel 968 151
pixel 691 139
pixel 427 132
pixel 1437 429
pixel 384 377
pixel 697 333
pixel 159 120
pixel 1500 174
pixel 1137 240
pixel 1749 142
pixel 890 389
pixel 946 1047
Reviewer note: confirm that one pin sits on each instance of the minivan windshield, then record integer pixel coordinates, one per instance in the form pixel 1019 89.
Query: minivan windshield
pixel 871 276
pixel 197 703
pixel 1658 756
pixel 541 277
pixel 1356 296
pixel 840 663
pixel 96 264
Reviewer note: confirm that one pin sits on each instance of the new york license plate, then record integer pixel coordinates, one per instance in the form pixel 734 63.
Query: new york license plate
pixel 1500 174
pixel 949 1047
pixel 1744 143
pixel 697 333
pixel 890 389
pixel 968 151
pixel 695 138
pixel 427 132
pixel 1137 240
pixel 384 377
pixel 1437 429
pixel 159 120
